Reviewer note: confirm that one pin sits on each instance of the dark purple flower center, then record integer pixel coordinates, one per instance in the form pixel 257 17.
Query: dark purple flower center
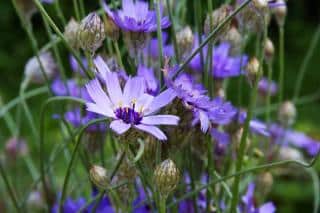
pixel 128 115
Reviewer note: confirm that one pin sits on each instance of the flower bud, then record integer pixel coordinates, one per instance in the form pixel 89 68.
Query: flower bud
pixel 280 12
pixel 215 18
pixel 27 8
pixel 112 30
pixel 15 148
pixel 185 40
pixel 253 69
pixel 35 201
pixel 166 177
pixel 98 175
pixel 260 4
pixel 287 113
pixel 234 38
pixel 268 50
pixel 33 70
pixel 70 33
pixel 91 33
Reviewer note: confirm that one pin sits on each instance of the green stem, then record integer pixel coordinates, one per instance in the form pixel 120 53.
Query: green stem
pixel 162 204
pixel 281 64
pixel 305 63
pixel 268 111
pixel 59 12
pixel 159 36
pixel 173 33
pixel 76 9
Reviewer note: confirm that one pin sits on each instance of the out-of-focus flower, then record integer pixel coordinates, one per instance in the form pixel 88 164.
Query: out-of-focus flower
pixel 27 8
pixel 15 148
pixel 185 41
pixel 36 201
pixel 248 204
pixel 268 50
pixel 253 70
pixel 98 175
pixel 152 84
pixel 91 33
pixel 287 113
pixel 33 70
pixel 266 87
pixel 151 50
pixel 130 107
pixel 280 12
pixel 166 177
pixel 136 17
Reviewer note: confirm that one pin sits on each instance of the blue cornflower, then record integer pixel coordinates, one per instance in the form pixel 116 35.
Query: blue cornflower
pixel 248 203
pixel 136 17
pixel 130 106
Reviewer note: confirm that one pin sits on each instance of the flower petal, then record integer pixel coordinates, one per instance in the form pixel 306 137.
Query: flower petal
pixel 119 126
pixel 133 89
pixel 155 131
pixel 97 94
pixel 113 88
pixel 106 111
pixel 161 120
pixel 204 121
pixel 161 100
pixel 267 208
pixel 102 67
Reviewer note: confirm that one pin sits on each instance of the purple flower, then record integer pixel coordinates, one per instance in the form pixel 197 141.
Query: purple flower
pixel 74 64
pixel 151 50
pixel 256 126
pixel 222 141
pixel 71 88
pixel 130 107
pixel 265 87
pixel 136 17
pixel 248 203
pixel 152 84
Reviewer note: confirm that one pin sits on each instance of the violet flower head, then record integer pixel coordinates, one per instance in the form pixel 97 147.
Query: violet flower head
pixel 130 106
pixel 226 66
pixel 151 50
pixel 248 203
pixel 136 17
pixel 265 87
pixel 152 84
pixel 75 66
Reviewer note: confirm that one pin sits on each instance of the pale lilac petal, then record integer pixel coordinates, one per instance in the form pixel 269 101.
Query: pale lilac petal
pixel 113 87
pixel 155 131
pixel 161 120
pixel 267 208
pixel 106 111
pixel 97 94
pixel 204 121
pixel 161 100
pixel 133 89
pixel 102 67
pixel 119 126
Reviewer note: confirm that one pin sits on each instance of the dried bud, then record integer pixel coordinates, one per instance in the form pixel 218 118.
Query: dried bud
pixel 15 148
pixel 260 4
pixel 215 18
pixel 91 33
pixel 166 177
pixel 287 113
pixel 98 175
pixel 70 33
pixel 234 38
pixel 280 12
pixel 185 40
pixel 36 201
pixel 268 50
pixel 27 8
pixel 33 70
pixel 112 30
pixel 253 69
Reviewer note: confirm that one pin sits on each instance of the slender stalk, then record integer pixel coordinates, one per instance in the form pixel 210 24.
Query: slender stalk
pixel 9 188
pixel 173 33
pixel 268 110
pixel 281 64
pixel 76 9
pixel 59 12
pixel 302 71
pixel 162 204
pixel 159 36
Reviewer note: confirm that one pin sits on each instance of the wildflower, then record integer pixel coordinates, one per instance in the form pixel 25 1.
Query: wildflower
pixel 222 140
pixel 166 177
pixel 266 87
pixel 136 17
pixel 253 68
pixel 70 33
pixel 280 12
pixel 98 175
pixel 91 33
pixel 152 84
pixel 75 66
pixel 151 50
pixel 248 203
pixel 268 50
pixel 35 72
pixel 130 107
pixel 287 113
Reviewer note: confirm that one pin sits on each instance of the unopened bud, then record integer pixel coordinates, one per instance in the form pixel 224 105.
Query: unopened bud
pixel 166 177
pixel 268 50
pixel 280 12
pixel 91 33
pixel 16 148
pixel 26 7
pixel 215 18
pixel 34 71
pixel 112 30
pixel 260 4
pixel 287 113
pixel 98 175
pixel 70 33
pixel 36 201
pixel 234 38
pixel 185 40
pixel 253 69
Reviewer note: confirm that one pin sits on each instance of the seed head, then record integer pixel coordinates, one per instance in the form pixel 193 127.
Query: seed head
pixel 166 177
pixel 98 175
pixel 253 69
pixel 91 33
